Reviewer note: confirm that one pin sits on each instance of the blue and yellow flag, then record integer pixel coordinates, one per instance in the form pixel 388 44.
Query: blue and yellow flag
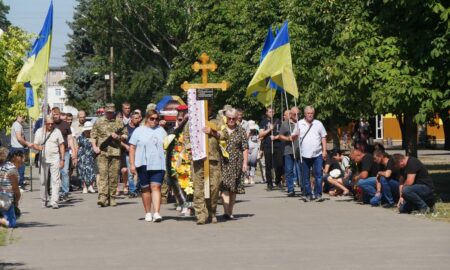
pixel 267 95
pixel 33 71
pixel 276 66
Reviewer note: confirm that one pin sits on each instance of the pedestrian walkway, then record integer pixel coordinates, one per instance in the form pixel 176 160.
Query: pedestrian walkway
pixel 272 232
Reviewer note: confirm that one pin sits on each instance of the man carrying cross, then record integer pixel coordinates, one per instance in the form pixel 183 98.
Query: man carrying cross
pixel 206 171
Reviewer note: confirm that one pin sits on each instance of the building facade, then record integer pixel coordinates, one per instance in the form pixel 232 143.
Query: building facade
pixel 56 95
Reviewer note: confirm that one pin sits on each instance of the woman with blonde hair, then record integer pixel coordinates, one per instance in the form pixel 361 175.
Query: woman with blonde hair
pixel 148 161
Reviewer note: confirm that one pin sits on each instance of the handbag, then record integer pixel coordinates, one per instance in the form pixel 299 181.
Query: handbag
pixel 5 201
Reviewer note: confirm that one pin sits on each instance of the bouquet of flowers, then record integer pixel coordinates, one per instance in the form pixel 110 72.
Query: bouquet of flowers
pixel 181 167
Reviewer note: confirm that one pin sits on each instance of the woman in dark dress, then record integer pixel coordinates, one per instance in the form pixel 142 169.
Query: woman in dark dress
pixel 236 165
pixel 86 155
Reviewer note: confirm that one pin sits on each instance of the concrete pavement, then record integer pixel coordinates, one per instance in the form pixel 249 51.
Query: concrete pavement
pixel 272 232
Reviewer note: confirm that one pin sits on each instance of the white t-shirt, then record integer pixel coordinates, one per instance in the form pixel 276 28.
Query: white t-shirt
pixel 16 127
pixel 149 147
pixel 51 153
pixel 311 144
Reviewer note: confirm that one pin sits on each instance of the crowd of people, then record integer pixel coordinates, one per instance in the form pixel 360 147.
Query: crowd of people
pixel 141 154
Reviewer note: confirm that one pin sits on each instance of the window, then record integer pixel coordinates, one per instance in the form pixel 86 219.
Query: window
pixel 57 92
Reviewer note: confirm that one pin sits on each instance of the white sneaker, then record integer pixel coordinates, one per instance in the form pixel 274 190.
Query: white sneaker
pixel 148 217
pixel 91 189
pixel 55 205
pixel 246 182
pixel 85 190
pixel 157 217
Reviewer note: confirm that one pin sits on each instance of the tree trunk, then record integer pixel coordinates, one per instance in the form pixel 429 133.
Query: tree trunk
pixel 410 135
pixel 446 121
pixel 401 122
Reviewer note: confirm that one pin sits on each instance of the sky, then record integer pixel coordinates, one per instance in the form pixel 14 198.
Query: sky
pixel 30 15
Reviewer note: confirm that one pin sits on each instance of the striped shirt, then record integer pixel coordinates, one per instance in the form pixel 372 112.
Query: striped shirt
pixel 7 171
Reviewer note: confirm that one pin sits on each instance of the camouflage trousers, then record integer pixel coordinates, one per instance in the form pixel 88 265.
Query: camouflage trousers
pixel 206 208
pixel 108 169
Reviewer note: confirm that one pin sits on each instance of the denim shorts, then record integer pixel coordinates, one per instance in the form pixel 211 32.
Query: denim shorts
pixel 150 177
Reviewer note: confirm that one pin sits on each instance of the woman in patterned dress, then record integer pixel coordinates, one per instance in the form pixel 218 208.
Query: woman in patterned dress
pixel 235 166
pixel 86 161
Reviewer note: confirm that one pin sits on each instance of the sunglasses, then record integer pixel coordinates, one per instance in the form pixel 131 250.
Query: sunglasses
pixel 153 118
pixel 49 124
pixel 232 118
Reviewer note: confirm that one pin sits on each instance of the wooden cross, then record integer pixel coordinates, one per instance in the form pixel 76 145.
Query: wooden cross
pixel 205 67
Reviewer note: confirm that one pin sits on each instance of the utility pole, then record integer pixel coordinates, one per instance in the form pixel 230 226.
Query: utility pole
pixel 111 76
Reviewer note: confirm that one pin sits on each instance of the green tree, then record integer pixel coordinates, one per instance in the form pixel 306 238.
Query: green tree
pixel 232 34
pixel 145 36
pixel 4 10
pixel 13 45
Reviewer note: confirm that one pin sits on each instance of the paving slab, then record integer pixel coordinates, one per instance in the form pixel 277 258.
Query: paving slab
pixel 271 232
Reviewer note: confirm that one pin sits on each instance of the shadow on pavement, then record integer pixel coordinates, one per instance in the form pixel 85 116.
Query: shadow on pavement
pixel 32 224
pixel 15 265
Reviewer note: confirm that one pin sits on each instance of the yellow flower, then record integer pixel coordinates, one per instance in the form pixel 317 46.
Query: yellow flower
pixel 184 181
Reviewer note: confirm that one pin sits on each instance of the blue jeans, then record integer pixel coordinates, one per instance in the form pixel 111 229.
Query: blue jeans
pixel 316 164
pixel 22 167
pixel 131 186
pixel 416 198
pixel 389 190
pixel 65 174
pixel 368 186
pixel 10 216
pixel 297 172
pixel 289 167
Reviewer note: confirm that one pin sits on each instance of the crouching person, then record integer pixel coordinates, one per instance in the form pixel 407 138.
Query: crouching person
pixel 416 188
pixel 387 180
pixel 9 186
pixel 339 173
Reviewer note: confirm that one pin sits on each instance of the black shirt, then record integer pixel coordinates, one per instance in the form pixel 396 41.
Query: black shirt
pixel 414 166
pixel 64 127
pixel 395 172
pixel 368 165
pixel 264 124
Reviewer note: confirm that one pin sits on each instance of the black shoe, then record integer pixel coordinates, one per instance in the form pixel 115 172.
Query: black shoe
pixel 132 195
pixel 228 217
pixel 320 199
pixel 269 187
pixel 388 205
pixel 291 194
pixel 312 198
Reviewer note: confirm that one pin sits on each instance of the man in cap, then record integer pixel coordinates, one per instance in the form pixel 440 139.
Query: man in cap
pixel 105 135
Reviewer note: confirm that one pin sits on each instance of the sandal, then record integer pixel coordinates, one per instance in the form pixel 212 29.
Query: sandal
pixel 125 191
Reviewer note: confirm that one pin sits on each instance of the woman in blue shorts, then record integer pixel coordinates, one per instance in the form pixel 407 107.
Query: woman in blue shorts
pixel 147 159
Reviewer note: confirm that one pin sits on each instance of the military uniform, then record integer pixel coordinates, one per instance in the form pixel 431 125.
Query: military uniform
pixel 206 208
pixel 108 160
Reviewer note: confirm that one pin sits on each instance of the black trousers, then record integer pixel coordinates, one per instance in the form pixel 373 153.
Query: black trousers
pixel 273 161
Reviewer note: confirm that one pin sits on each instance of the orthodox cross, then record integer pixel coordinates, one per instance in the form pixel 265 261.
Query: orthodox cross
pixel 204 66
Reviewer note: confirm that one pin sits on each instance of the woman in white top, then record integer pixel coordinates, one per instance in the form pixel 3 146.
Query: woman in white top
pixel 147 159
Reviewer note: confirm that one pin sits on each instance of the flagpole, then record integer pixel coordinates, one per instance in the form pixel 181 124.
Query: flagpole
pixel 29 153
pixel 289 122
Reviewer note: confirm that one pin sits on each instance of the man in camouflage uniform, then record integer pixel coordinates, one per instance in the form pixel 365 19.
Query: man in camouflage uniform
pixel 205 209
pixel 108 159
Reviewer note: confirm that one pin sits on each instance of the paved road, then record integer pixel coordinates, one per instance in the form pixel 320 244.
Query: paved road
pixel 272 232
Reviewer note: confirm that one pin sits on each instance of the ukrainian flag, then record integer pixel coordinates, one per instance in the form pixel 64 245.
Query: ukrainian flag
pixel 276 66
pixel 33 71
pixel 267 95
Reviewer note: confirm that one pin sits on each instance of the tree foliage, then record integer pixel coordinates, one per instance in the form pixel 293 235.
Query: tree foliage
pixel 145 36
pixel 13 45
pixel 351 58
